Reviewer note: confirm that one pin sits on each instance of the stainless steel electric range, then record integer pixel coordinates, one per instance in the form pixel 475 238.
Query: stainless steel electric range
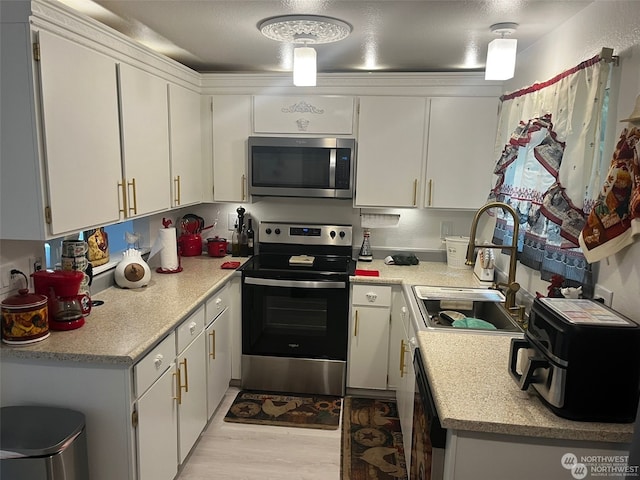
pixel 295 309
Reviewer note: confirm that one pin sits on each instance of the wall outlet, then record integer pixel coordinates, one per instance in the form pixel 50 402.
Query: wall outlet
pixel 5 275
pixel 606 295
pixel 35 264
pixel 446 229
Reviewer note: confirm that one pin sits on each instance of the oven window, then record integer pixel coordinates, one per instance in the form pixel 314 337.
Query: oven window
pixel 285 316
pixel 295 322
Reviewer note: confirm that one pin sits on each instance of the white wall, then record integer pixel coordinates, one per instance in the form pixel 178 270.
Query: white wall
pixel 605 23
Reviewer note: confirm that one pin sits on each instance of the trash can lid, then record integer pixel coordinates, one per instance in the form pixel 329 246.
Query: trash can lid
pixel 34 431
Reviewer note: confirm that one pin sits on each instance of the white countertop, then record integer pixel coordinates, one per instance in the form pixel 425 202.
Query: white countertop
pixel 132 321
pixel 473 390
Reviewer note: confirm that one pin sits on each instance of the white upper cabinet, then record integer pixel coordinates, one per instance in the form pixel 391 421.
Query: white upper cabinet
pixel 311 115
pixel 145 140
pixel 186 145
pixel 390 151
pixel 460 154
pixel 231 129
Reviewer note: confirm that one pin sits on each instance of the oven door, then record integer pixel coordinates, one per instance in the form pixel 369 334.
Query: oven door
pixel 295 318
pixel 428 437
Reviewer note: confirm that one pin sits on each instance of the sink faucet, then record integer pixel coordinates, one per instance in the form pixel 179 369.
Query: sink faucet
pixel 511 286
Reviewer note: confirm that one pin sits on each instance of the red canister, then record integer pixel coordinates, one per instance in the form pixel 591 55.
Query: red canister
pixel 25 318
pixel 217 247
pixel 190 245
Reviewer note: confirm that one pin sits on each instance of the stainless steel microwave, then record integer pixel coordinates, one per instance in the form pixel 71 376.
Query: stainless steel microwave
pixel 301 167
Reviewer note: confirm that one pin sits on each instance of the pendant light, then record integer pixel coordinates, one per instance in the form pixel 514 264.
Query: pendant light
pixel 303 31
pixel 501 54
pixel 304 67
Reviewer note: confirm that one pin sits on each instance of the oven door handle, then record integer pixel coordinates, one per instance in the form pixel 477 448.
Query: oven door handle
pixel 269 282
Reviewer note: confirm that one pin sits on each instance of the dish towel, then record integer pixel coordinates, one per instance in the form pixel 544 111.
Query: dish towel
pixel 615 218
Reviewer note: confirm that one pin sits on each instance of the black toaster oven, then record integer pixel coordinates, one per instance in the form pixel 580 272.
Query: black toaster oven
pixel 582 358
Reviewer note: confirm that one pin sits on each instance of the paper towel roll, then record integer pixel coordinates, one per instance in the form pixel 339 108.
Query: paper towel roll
pixel 167 245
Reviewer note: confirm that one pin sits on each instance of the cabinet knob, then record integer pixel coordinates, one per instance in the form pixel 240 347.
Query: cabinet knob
pixel 372 297
pixel 218 302
pixel 158 360
pixel 192 327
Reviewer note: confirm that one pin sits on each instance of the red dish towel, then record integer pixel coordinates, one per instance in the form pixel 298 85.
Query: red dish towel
pixel 230 265
pixel 367 273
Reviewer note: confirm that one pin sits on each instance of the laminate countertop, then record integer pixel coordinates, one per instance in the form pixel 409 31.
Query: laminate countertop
pixel 132 321
pixel 473 391
pixel 437 274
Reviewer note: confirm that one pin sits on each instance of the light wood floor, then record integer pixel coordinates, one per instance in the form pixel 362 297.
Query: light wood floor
pixel 233 451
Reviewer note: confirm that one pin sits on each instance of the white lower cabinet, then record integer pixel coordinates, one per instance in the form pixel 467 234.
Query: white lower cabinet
pixel 218 340
pixel 369 337
pixel 158 429
pixel 192 379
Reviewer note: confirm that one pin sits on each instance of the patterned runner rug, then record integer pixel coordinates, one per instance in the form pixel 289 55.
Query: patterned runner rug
pixel 372 441
pixel 289 410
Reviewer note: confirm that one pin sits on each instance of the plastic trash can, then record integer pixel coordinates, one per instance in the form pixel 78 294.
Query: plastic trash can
pixel 42 443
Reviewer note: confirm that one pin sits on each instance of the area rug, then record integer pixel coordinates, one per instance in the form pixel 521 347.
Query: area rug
pixel 287 410
pixel 372 441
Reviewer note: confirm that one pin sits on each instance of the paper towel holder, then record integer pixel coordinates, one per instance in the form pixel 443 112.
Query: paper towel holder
pixel 166 223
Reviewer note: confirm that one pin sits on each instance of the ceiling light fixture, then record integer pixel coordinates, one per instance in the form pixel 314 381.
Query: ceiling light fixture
pixel 304 30
pixel 501 54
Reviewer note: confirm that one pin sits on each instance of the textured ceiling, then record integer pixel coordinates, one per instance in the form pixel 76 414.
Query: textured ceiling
pixel 388 35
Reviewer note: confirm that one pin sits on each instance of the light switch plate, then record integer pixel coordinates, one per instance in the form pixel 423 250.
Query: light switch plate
pixel 231 221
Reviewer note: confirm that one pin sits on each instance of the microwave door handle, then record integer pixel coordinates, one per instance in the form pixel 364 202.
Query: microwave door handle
pixel 332 167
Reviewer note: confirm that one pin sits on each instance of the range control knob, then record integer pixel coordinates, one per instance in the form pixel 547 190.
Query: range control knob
pixel 277 231
pixel 332 234
pixel 342 234
pixel 268 231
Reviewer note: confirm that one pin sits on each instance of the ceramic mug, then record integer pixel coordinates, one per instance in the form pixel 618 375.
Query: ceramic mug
pixel 74 263
pixel 74 248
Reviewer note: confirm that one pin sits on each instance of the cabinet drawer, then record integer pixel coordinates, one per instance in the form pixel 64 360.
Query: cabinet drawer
pixel 372 295
pixel 147 370
pixel 189 329
pixel 217 304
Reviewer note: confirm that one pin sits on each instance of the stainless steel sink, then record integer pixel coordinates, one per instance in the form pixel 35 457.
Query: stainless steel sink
pixel 483 304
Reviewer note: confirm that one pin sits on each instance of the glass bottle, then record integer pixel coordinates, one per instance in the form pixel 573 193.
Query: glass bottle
pixel 250 239
pixel 244 242
pixel 235 242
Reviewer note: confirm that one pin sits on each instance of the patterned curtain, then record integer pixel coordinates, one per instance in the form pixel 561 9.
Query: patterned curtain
pixel 550 166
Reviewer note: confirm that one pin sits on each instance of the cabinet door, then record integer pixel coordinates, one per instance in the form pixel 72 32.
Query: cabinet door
pixel 81 134
pixel 368 347
pixel 313 114
pixel 144 120
pixel 218 336
pixel 460 155
pixel 186 145
pixel 390 151
pixel 396 339
pixel 231 129
pixel 192 407
pixel 158 429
